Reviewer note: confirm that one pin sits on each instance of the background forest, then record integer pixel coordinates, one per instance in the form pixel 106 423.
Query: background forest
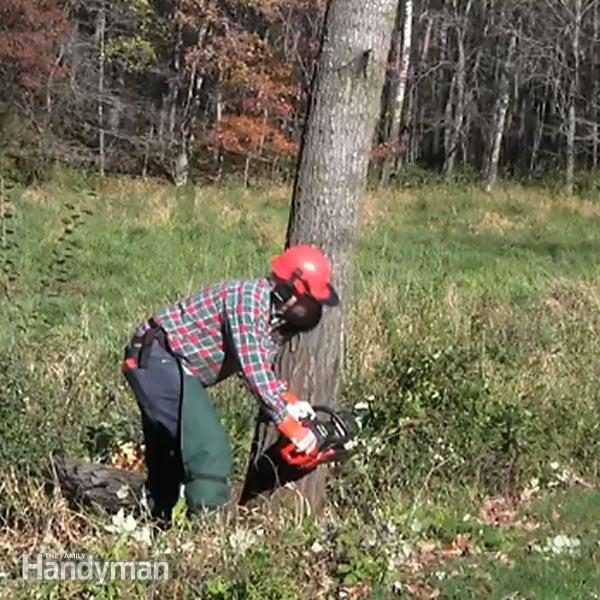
pixel 204 88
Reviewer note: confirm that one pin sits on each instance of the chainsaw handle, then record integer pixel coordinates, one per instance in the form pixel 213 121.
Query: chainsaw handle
pixel 292 456
pixel 324 409
pixel 325 452
pixel 303 460
pixel 299 459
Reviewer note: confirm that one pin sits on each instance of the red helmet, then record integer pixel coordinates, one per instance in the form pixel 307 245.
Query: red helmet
pixel 308 270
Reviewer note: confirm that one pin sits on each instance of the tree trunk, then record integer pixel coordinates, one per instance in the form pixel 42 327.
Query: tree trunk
pixel 573 89
pixel 330 184
pixel 441 126
pixel 218 153
pixel 595 88
pixel 537 136
pixel 570 151
pixel 99 486
pixel 101 45
pixel 500 117
pixel 449 127
pixel 459 112
pixel 175 83
pixel 595 72
pixel 396 110
pixel 412 137
pixel 456 130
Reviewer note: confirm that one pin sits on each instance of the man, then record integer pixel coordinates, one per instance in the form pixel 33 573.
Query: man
pixel 232 327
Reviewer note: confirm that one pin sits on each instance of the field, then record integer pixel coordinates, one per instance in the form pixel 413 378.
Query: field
pixel 476 336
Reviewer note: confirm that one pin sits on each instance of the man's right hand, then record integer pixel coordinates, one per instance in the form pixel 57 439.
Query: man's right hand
pixel 299 409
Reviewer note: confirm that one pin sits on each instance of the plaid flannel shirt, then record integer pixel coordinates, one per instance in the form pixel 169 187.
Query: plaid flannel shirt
pixel 225 329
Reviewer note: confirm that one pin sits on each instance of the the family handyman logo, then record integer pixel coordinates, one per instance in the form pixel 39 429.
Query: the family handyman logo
pixel 42 567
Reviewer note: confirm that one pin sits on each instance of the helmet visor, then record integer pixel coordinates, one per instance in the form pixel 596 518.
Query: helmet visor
pixel 324 293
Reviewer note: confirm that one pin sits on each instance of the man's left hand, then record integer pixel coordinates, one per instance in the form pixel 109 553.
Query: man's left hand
pixel 298 409
pixel 301 410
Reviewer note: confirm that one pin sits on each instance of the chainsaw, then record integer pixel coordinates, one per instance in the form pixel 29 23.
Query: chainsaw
pixel 336 432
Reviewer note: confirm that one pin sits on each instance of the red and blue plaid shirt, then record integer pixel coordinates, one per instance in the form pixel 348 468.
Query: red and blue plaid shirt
pixel 225 329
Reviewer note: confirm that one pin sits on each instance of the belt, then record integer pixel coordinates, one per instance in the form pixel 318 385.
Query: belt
pixel 138 351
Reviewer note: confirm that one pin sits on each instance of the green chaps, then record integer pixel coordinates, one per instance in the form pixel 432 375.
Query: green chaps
pixel 205 449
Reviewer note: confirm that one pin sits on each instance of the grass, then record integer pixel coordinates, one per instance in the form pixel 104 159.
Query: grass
pixel 535 564
pixel 475 344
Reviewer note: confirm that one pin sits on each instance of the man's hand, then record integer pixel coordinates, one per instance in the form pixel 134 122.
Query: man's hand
pixel 302 436
pixel 299 409
pixel 297 425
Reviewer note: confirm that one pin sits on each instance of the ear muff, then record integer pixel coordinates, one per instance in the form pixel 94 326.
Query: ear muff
pixel 282 292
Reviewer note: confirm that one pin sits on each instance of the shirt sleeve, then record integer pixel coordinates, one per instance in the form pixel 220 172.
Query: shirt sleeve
pixel 246 316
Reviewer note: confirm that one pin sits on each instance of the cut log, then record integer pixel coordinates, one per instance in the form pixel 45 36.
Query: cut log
pixel 98 486
pixel 108 489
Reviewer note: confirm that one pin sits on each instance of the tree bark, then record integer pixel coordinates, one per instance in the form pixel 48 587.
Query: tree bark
pixel 329 187
pixel 96 485
pixel 500 117
pixel 101 44
pixel 573 89
pixel 396 110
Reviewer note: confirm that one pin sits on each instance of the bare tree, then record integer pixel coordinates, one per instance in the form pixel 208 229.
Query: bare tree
pixel 500 114
pixel 171 86
pixel 402 52
pixel 573 92
pixel 595 75
pixel 456 102
pixel 101 32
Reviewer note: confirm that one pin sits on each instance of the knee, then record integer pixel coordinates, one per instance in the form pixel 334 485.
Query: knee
pixel 207 476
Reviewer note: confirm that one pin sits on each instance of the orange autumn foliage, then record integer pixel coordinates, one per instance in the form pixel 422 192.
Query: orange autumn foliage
pixel 30 37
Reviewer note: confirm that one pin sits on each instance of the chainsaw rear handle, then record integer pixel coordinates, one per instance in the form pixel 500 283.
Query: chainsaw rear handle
pixel 306 461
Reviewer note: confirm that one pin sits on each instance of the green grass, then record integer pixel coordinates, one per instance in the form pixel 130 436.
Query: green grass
pixel 443 236
pixel 476 336
pixel 533 567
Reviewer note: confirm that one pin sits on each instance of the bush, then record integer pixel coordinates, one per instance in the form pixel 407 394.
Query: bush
pixel 43 392
pixel 254 578
pixel 434 421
